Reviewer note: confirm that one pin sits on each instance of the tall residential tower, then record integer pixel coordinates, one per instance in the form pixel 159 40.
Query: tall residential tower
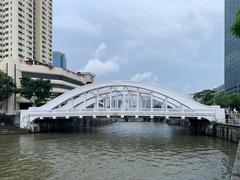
pixel 26 30
pixel 26 50
pixel 232 48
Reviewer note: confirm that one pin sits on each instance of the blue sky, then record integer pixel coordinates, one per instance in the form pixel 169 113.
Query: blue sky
pixel 176 43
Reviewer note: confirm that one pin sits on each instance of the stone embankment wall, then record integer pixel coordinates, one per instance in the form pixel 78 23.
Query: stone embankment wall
pixel 10 120
pixel 228 132
pixel 196 127
pixel 9 126
pixel 11 130
pixel 236 167
pixel 6 120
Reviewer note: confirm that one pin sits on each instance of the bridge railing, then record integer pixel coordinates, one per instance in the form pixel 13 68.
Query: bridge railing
pixel 126 110
pixel 210 114
pixel 236 119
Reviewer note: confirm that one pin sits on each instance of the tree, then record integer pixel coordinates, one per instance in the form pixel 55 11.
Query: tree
pixel 205 97
pixel 7 86
pixel 223 100
pixel 90 106
pixel 235 101
pixel 157 106
pixel 231 101
pixel 36 91
pixel 235 29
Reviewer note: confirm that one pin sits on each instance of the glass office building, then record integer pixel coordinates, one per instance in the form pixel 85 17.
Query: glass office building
pixel 232 48
pixel 59 60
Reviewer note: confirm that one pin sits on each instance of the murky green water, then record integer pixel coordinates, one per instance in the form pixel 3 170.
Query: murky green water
pixel 134 151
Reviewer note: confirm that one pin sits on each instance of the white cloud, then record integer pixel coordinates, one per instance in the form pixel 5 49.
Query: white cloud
pixel 183 37
pixel 100 64
pixel 171 30
pixel 145 77
pixel 100 68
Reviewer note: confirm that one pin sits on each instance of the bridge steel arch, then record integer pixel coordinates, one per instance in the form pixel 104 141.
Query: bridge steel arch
pixel 121 98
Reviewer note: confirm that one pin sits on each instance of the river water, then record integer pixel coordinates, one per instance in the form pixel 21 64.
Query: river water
pixel 122 151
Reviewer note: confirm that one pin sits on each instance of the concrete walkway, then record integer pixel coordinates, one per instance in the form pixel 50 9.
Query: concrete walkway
pixel 236 167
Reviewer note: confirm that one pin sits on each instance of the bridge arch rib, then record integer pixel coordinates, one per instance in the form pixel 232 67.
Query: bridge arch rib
pixel 124 96
pixel 77 95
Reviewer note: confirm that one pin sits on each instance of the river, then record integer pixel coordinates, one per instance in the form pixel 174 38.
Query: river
pixel 121 151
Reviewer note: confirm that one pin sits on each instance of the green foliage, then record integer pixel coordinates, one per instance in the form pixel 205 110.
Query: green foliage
pixel 90 106
pixel 223 100
pixel 228 100
pixel 157 106
pixel 235 29
pixel 205 97
pixel 235 101
pixel 7 86
pixel 36 91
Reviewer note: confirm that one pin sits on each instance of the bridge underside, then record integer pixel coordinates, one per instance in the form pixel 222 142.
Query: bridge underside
pixel 121 99
pixel 77 124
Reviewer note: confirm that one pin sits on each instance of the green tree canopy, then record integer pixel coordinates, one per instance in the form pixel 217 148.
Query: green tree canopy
pixel 235 29
pixel 205 97
pixel 235 101
pixel 157 106
pixel 228 100
pixel 90 106
pixel 7 86
pixel 223 100
pixel 36 91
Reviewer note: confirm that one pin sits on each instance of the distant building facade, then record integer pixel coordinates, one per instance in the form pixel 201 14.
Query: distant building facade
pixel 232 48
pixel 219 89
pixel 61 79
pixel 59 60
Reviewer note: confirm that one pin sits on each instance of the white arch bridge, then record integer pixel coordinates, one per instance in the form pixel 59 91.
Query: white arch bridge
pixel 121 99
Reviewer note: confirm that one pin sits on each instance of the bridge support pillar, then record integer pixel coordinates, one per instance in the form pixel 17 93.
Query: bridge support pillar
pixel 86 122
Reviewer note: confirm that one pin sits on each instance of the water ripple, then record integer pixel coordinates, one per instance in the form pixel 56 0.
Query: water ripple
pixel 125 151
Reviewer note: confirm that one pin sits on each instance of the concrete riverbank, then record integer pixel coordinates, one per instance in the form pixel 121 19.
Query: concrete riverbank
pixel 236 167
pixel 228 132
pixel 224 131
pixel 11 130
pixel 9 126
